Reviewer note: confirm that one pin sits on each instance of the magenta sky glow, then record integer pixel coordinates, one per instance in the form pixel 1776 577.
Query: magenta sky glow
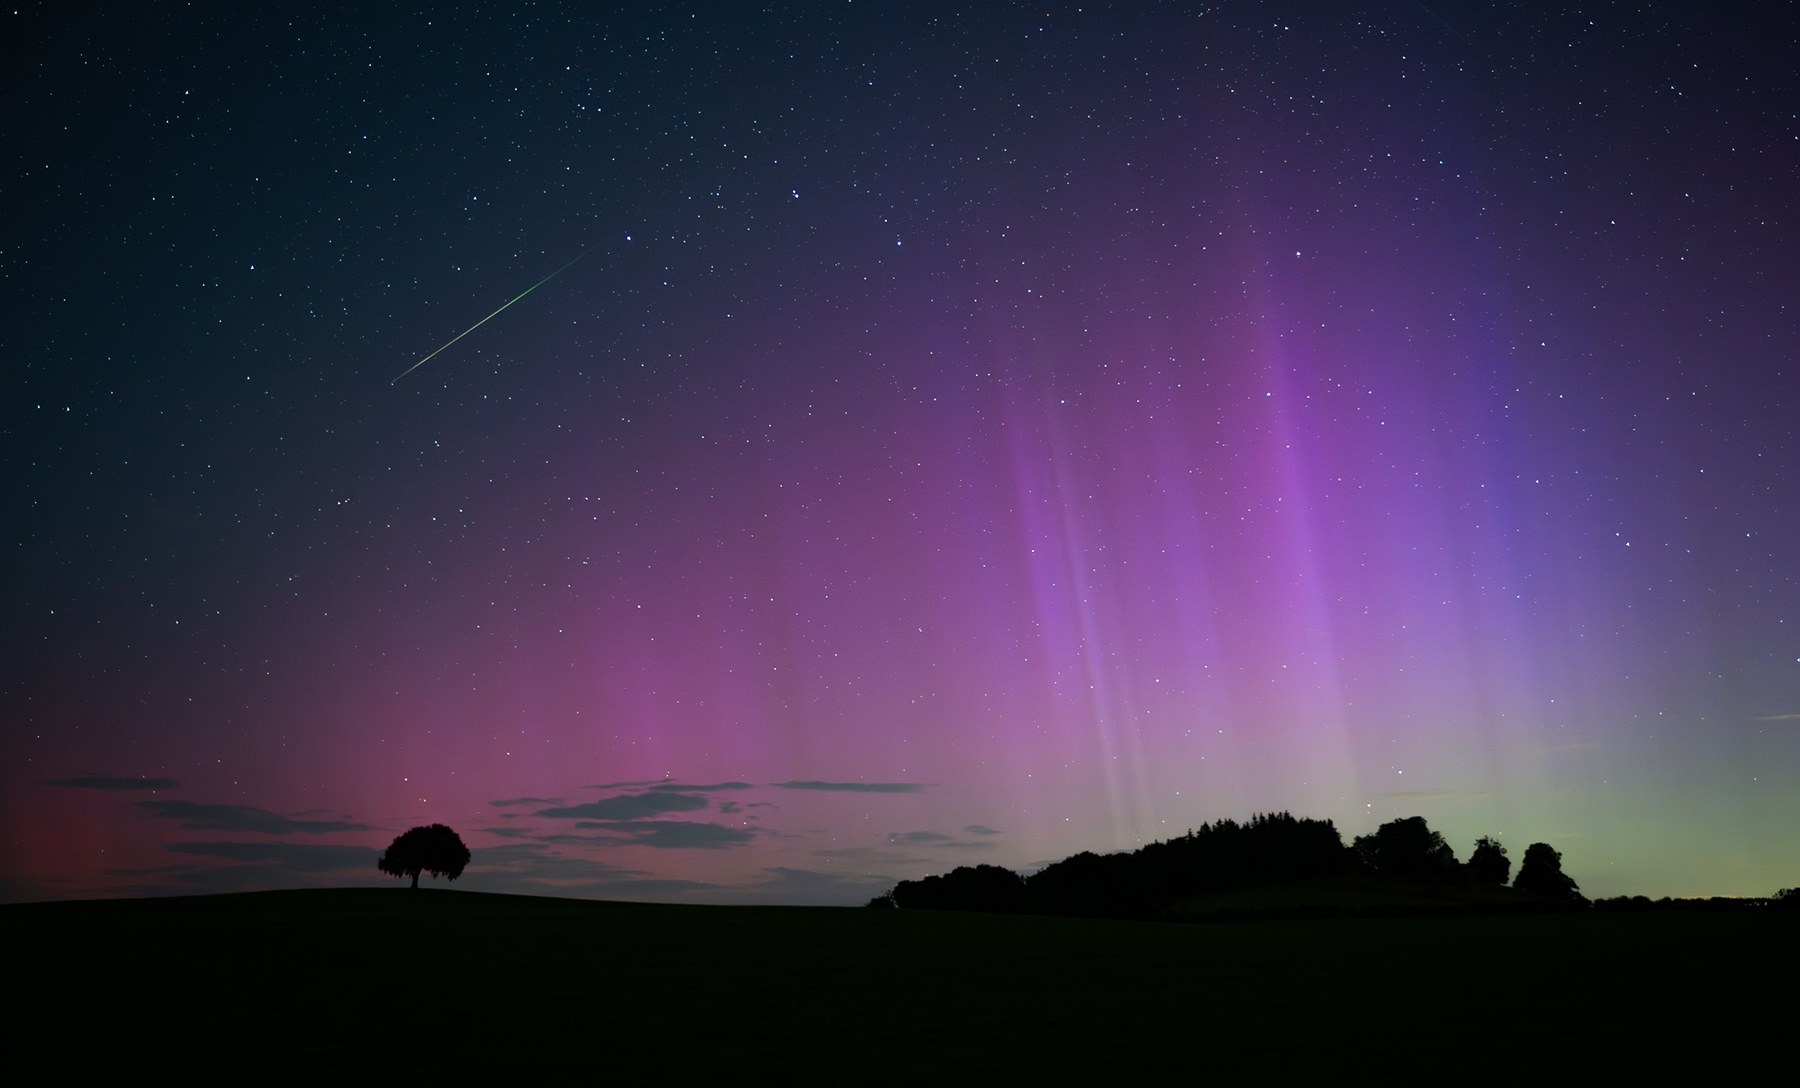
pixel 968 438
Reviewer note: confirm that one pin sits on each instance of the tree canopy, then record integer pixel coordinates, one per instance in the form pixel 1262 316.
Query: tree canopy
pixel 1407 850
pixel 984 887
pixel 1200 872
pixel 1489 863
pixel 1541 874
pixel 433 849
pixel 1269 848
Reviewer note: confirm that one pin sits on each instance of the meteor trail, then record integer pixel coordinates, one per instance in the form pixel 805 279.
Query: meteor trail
pixel 488 318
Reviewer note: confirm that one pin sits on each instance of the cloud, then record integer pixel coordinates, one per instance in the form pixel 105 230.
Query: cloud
pixel 292 856
pixel 871 857
pixel 628 806
pixel 935 840
pixel 154 870
pixel 104 782
pixel 1438 795
pixel 198 816
pixel 1779 718
pixel 854 787
pixel 714 788
pixel 807 887
pixel 977 829
pixel 218 879
pixel 249 867
pixel 535 867
pixel 661 834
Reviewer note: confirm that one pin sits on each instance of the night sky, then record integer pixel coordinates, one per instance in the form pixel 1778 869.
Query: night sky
pixel 962 436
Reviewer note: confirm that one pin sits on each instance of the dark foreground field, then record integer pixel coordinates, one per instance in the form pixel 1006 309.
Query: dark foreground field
pixel 290 986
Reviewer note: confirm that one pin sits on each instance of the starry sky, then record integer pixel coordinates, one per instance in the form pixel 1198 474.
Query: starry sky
pixel 964 434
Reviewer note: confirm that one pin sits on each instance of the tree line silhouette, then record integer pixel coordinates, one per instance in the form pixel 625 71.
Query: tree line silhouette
pixel 1787 899
pixel 1268 849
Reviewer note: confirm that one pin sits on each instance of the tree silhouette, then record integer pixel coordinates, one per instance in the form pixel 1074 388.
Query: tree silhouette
pixel 1407 850
pixel 1089 884
pixel 1489 863
pixel 1154 881
pixel 1541 874
pixel 435 849
pixel 984 887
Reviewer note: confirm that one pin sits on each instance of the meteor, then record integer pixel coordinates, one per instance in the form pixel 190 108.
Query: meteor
pixel 488 318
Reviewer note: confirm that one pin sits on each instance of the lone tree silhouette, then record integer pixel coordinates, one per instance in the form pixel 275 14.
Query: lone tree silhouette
pixel 1541 874
pixel 435 849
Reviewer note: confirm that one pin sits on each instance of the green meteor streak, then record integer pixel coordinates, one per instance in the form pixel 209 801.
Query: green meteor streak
pixel 488 318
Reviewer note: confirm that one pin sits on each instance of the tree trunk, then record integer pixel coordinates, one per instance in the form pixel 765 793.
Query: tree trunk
pixel 415 877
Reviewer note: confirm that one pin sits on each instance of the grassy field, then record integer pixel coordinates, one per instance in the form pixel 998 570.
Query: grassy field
pixel 288 986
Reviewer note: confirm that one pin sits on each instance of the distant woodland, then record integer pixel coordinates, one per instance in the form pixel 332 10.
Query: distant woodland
pixel 1278 863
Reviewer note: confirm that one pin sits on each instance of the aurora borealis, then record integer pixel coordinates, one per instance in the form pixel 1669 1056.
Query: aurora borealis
pixel 968 437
